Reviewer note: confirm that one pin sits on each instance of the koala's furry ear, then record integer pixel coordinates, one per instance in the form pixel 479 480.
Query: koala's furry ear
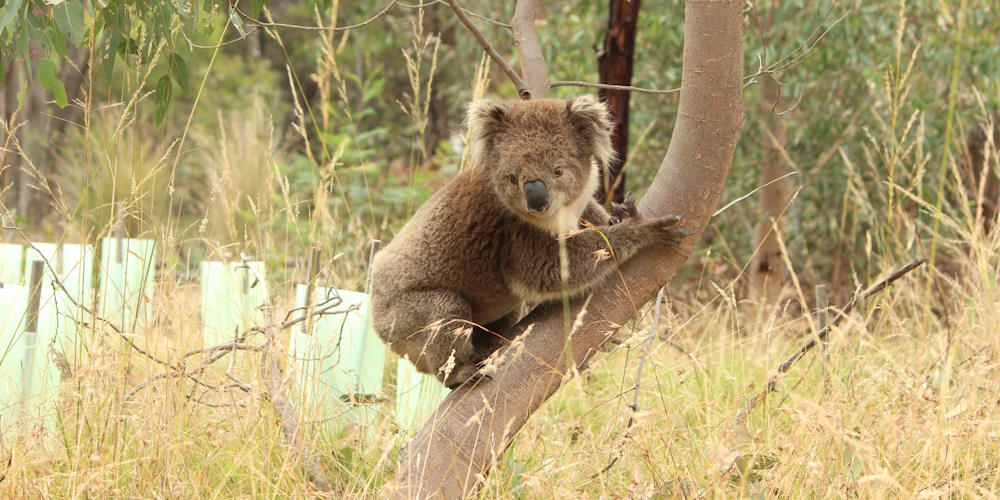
pixel 485 119
pixel 591 119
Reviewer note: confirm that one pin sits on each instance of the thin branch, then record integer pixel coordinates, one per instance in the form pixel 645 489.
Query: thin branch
pixel 246 17
pixel 794 58
pixel 219 45
pixel 467 11
pixel 237 345
pixel 608 86
pixel 385 10
pixel 741 198
pixel 180 371
pixel 522 90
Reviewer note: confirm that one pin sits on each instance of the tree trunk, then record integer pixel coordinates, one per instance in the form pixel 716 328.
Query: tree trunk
pixel 767 273
pixel 10 162
pixel 46 124
pixel 615 66
pixel 458 445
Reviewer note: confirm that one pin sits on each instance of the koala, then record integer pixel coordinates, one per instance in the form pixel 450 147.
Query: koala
pixel 452 281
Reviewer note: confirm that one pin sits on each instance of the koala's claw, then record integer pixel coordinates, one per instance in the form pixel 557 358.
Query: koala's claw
pixel 675 218
pixel 665 229
pixel 462 376
pixel 626 209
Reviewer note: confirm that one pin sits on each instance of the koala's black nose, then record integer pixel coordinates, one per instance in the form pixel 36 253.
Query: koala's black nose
pixel 536 195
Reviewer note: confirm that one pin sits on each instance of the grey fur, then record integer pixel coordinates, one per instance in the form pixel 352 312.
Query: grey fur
pixel 455 276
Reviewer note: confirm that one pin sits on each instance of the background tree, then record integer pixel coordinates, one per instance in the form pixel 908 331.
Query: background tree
pixel 767 271
pixel 614 63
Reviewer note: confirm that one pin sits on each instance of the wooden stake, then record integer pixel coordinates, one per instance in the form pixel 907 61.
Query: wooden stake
pixel 120 231
pixel 311 273
pixel 35 297
pixel 822 305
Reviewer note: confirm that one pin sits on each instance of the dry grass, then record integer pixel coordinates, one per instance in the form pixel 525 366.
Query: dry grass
pixel 910 408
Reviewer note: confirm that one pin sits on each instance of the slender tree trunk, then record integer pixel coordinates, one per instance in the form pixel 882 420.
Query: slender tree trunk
pixel 459 444
pixel 615 66
pixel 767 273
pixel 10 163
pixel 31 115
pixel 43 126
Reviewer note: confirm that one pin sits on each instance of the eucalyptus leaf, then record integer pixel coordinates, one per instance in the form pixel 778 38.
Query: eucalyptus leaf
pixel 47 77
pixel 9 15
pixel 114 24
pixel 69 19
pixel 178 70
pixel 163 91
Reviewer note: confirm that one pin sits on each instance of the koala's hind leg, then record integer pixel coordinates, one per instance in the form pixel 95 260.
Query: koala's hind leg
pixel 432 327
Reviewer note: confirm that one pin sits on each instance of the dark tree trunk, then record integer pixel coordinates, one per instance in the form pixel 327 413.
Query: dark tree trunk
pixel 615 66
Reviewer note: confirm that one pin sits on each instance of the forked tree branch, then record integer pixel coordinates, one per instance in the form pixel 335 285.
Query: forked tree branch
pixel 522 89
pixel 453 453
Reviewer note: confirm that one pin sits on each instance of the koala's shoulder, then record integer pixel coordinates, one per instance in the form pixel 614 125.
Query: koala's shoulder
pixel 466 204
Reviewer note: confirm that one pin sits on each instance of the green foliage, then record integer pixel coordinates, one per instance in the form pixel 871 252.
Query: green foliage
pixel 47 79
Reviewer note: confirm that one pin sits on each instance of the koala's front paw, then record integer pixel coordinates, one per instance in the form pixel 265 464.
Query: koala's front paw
pixel 624 210
pixel 664 230
pixel 468 374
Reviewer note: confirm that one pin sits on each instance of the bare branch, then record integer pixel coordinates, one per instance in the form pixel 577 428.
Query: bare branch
pixel 522 90
pixel 751 193
pixel 219 45
pixel 608 86
pixel 533 69
pixel 467 11
pixel 265 24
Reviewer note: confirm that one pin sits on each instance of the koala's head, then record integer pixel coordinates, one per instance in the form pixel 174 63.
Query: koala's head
pixel 542 156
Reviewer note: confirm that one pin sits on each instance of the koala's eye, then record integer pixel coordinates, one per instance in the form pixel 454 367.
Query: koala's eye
pixel 558 172
pixel 513 179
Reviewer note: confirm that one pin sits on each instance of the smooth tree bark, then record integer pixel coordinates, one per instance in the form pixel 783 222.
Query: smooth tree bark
pixel 533 69
pixel 615 67
pixel 455 450
pixel 767 272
